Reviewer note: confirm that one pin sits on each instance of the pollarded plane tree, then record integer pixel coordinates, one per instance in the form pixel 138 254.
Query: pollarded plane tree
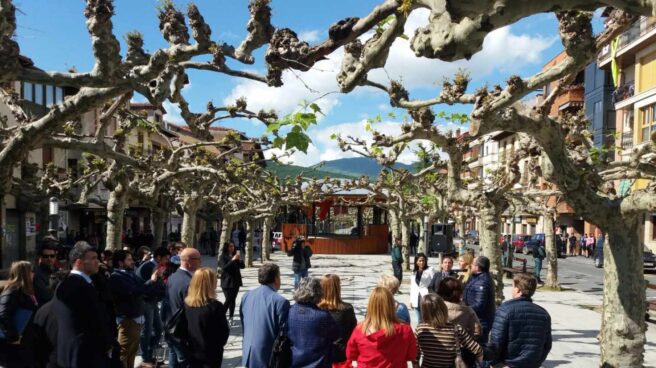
pixel 565 161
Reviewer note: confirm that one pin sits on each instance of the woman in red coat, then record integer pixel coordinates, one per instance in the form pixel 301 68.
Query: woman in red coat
pixel 381 340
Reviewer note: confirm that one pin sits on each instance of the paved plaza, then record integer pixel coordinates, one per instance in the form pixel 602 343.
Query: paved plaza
pixel 575 316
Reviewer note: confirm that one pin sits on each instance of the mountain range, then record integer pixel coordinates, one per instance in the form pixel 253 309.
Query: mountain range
pixel 341 168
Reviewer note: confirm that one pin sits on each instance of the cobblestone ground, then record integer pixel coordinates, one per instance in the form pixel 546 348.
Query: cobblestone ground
pixel 575 315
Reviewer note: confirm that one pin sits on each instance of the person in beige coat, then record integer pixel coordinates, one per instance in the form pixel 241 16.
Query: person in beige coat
pixel 451 290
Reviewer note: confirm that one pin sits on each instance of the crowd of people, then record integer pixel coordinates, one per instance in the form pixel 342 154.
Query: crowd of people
pixel 102 309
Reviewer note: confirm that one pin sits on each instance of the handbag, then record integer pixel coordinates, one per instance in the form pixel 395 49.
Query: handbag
pixel 176 329
pixel 281 355
pixel 458 362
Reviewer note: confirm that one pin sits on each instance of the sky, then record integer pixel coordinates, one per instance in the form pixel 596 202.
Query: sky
pixel 54 35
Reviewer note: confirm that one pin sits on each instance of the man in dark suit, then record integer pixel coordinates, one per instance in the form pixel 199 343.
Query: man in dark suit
pixel 176 291
pixel 263 313
pixel 83 339
pixel 447 270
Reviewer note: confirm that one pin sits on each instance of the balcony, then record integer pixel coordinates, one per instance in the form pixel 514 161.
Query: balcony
pixel 638 34
pixel 621 93
pixel 627 140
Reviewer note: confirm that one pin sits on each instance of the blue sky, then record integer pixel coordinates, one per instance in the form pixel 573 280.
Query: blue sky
pixel 53 34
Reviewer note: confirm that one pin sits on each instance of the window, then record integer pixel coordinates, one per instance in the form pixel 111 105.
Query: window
pixel 72 167
pixel 50 96
pixel 647 115
pixel 28 91
pixel 628 120
pixel 38 94
pixel 59 95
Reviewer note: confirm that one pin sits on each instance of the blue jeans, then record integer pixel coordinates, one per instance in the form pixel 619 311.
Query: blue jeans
pixel 151 332
pixel 176 357
pixel 538 267
pixel 298 276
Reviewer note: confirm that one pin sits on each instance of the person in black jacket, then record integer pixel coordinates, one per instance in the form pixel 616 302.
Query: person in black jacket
pixel 16 300
pixel 479 295
pixel 207 327
pixel 152 330
pixel 83 339
pixel 45 337
pixel 521 333
pixel 230 262
pixel 342 313
pixel 301 262
pixel 43 270
pixel 127 290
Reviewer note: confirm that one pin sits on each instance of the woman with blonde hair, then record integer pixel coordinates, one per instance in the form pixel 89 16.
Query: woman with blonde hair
pixel 381 340
pixel 342 313
pixel 207 326
pixel 439 340
pixel 392 284
pixel 17 302
pixel 465 261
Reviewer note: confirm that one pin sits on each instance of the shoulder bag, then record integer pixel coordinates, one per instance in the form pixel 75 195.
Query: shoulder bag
pixel 281 355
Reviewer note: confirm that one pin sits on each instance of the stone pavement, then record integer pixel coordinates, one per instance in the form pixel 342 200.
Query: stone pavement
pixel 575 316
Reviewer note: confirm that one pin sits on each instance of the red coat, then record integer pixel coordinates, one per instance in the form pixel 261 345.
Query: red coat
pixel 380 351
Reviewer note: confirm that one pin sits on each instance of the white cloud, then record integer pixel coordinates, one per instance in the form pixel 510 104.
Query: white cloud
pixel 309 36
pixel 316 83
pixel 502 51
pixel 172 113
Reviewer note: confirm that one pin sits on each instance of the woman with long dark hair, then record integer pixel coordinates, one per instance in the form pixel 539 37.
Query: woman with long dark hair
pixel 230 264
pixel 17 303
pixel 422 275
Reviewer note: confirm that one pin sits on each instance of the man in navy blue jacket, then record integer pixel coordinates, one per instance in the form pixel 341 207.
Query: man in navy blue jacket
pixel 128 290
pixel 479 294
pixel 521 333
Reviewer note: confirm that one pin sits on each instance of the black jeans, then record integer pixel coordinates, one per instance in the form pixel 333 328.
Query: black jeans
pixel 231 299
pixel 398 270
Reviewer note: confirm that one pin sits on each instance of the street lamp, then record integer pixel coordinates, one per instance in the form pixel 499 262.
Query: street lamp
pixel 53 211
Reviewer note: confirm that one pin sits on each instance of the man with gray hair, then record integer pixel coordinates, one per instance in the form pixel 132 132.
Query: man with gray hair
pixel 263 315
pixel 479 294
pixel 83 336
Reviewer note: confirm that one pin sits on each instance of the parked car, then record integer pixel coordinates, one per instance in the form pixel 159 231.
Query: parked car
pixel 276 244
pixel 472 236
pixel 518 241
pixel 532 242
pixel 648 259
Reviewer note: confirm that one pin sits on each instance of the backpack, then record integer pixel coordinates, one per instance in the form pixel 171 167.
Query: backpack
pixel 541 252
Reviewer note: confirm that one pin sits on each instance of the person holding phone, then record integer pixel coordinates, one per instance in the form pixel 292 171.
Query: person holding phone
pixel 230 264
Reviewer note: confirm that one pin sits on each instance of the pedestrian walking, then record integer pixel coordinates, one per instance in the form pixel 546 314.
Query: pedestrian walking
pixel 572 245
pixel 439 340
pixel 397 259
pixel 83 336
pixel 17 305
pixel 589 246
pixel 311 330
pixel 391 283
pixel 479 295
pixel 521 334
pixel 230 264
pixel 263 315
pixel 582 251
pixel 127 291
pixel 342 313
pixel 207 327
pixel 539 254
pixel 152 330
pixel 506 249
pixel 177 286
pixel 422 275
pixel 447 271
pixel 301 261
pixel 381 340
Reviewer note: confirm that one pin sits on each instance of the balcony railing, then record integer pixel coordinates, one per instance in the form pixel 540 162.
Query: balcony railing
pixel 638 29
pixel 623 92
pixel 627 140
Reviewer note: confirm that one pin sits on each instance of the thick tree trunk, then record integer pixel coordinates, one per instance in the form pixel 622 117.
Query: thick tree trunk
pixel 394 224
pixel 116 204
pixel 552 252
pixel 226 228
pixel 249 243
pixel 405 244
pixel 489 240
pixel 623 316
pixel 159 218
pixel 461 224
pixel 421 245
pixel 266 239
pixel 190 206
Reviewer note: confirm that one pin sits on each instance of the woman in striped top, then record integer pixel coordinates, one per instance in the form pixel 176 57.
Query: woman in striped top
pixel 438 339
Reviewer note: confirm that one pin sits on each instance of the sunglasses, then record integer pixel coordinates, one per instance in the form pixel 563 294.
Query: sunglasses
pixel 48 255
